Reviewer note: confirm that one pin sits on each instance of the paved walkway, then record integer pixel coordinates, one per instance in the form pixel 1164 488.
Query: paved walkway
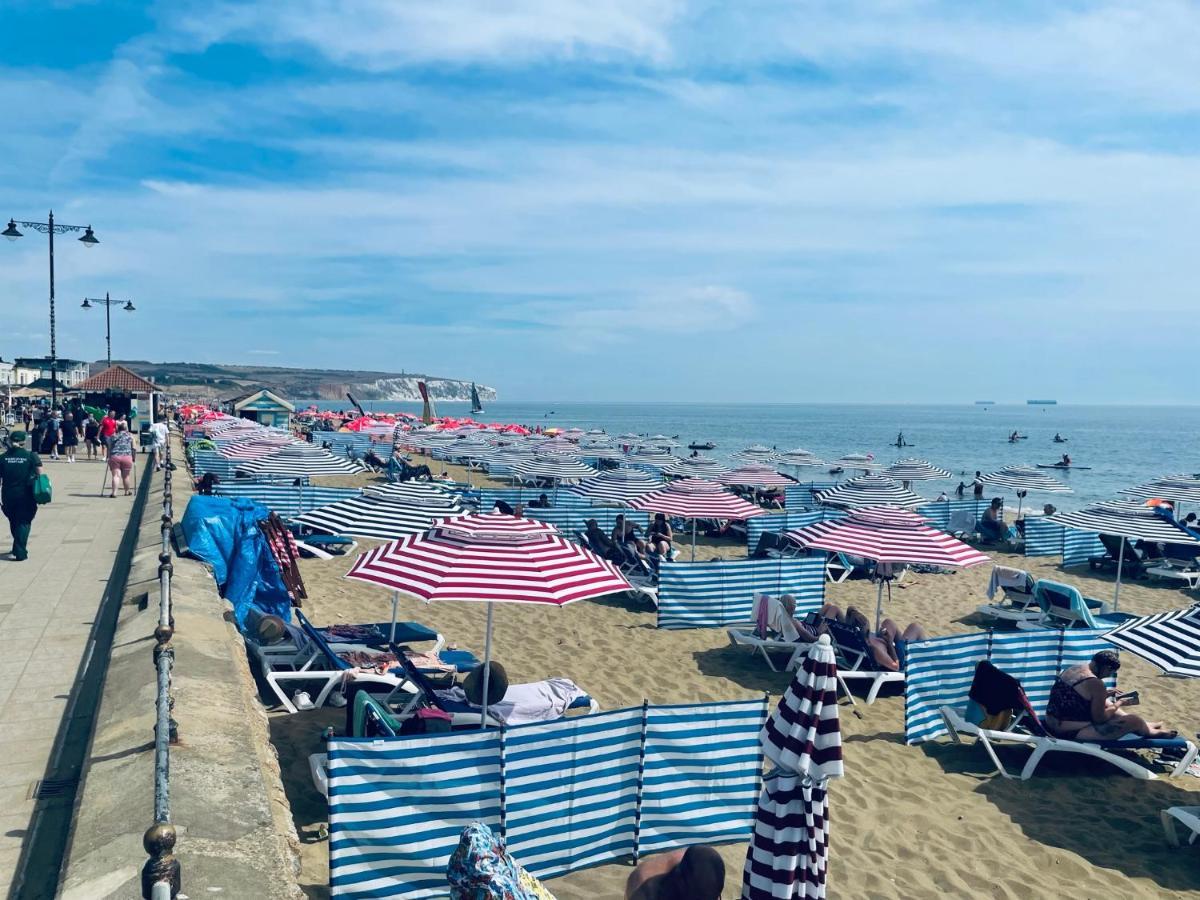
pixel 47 606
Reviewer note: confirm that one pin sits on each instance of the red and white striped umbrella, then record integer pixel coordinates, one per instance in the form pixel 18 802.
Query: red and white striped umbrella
pixel 696 498
pixel 757 476
pixel 888 534
pixel 489 558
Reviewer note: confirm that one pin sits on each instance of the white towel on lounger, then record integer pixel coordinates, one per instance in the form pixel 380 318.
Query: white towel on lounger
pixel 538 701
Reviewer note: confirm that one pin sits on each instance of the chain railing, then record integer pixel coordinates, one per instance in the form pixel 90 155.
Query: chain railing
pixel 161 873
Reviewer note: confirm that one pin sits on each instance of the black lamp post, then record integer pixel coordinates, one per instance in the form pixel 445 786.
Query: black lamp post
pixel 51 228
pixel 108 304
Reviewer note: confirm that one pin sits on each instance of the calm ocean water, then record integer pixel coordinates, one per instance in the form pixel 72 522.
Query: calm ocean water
pixel 1122 444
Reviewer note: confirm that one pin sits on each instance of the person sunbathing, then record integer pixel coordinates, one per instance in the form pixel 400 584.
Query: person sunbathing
pixel 697 873
pixel 887 644
pixel 1083 708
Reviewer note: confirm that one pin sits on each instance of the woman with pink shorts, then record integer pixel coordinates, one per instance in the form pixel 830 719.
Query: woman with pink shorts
pixel 120 458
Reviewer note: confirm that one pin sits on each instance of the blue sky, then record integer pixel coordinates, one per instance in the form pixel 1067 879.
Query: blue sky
pixel 631 199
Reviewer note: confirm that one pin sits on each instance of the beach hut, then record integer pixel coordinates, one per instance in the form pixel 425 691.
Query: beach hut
pixel 264 406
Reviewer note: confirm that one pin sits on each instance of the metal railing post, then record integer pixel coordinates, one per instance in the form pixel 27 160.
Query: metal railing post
pixel 161 872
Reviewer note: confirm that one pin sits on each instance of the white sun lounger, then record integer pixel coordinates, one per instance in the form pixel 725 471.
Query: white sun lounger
pixel 959 726
pixel 1188 817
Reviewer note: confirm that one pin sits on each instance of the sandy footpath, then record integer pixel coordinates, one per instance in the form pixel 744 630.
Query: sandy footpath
pixel 907 821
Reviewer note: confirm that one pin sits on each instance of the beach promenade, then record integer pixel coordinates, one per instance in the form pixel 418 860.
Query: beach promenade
pixel 48 605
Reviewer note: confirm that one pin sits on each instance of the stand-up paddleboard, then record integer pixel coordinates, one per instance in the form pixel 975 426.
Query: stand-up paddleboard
pixel 1061 466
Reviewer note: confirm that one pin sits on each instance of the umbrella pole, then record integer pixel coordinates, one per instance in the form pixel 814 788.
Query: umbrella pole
pixel 1120 564
pixel 693 540
pixel 487 666
pixel 395 607
pixel 879 604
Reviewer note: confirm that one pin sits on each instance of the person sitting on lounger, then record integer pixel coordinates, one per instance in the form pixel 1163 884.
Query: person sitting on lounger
pixel 542 502
pixel 991 526
pixel 887 644
pixel 697 873
pixel 626 532
pixel 660 536
pixel 1083 708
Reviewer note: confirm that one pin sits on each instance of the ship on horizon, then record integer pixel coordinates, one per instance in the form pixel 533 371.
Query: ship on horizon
pixel 1041 402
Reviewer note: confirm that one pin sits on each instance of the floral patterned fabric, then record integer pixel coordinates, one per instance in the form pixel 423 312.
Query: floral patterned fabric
pixel 481 869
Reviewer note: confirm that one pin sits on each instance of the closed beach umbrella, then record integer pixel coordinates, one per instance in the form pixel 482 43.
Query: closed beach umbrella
pixel 1128 520
pixel 1170 640
pixel 489 558
pixel 870 490
pixel 618 486
pixel 1180 488
pixel 756 476
pixel 908 470
pixel 789 850
pixel 294 464
pixel 891 535
pixel 695 498
pixel 1023 479
pixel 755 454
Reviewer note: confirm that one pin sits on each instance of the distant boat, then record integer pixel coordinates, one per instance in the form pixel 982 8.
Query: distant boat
pixel 1041 402
pixel 707 445
pixel 476 406
pixel 985 402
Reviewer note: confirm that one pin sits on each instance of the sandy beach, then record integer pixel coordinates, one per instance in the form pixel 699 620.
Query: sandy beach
pixel 908 821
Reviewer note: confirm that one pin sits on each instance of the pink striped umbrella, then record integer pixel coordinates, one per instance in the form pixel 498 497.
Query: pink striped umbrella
pixel 696 498
pixel 888 534
pixel 490 558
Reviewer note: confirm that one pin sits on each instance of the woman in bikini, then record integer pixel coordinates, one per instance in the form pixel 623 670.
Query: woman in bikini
pixel 1082 708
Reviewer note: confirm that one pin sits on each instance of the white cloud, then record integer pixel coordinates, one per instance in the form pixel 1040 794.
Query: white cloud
pixel 378 35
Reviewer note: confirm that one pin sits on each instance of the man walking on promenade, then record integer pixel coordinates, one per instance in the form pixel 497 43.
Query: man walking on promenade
pixel 108 427
pixel 161 434
pixel 18 470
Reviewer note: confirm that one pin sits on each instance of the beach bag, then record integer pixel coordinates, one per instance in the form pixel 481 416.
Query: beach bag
pixel 41 490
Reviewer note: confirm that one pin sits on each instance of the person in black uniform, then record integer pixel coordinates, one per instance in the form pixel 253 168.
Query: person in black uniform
pixel 18 470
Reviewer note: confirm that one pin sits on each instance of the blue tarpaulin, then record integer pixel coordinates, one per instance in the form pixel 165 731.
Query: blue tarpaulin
pixel 224 533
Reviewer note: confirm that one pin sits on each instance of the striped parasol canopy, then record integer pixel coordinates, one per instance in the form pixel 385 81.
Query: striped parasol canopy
pixel 1128 520
pixel 887 534
pixel 489 558
pixel 659 441
pixel 696 498
pixel 1180 488
pixel 864 461
pixel 629 437
pixel 648 457
pixel 1024 478
pixel 556 467
pixel 789 850
pixel 914 470
pixel 618 486
pixel 294 464
pixel 697 467
pixel 755 454
pixel 374 517
pixel 573 434
pixel 756 476
pixel 557 445
pixel 799 457
pixel 427 494
pixel 869 490
pixel 1169 640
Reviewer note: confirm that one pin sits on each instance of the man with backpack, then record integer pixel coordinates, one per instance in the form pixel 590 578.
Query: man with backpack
pixel 19 468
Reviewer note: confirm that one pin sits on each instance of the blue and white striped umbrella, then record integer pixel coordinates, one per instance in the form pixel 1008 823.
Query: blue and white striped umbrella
pixel 870 490
pixel 556 467
pixel 295 462
pixel 755 454
pixel 799 457
pixel 914 470
pixel 618 486
pixel 697 467
pixel 1180 488
pixel 1169 640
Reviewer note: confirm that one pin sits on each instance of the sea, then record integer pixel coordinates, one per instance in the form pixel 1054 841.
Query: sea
pixel 1121 445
